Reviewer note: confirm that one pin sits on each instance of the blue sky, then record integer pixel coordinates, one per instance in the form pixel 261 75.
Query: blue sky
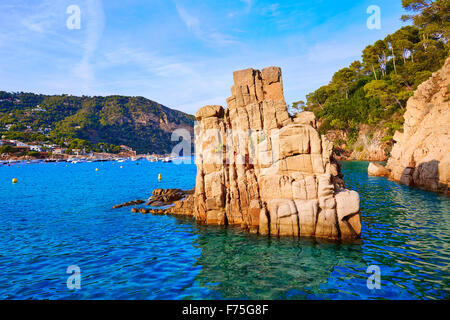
pixel 181 53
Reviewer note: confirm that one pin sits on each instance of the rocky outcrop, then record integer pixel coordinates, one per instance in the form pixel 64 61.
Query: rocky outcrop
pixel 162 197
pixel 164 201
pixel 421 154
pixel 127 204
pixel 377 170
pixel 370 145
pixel 261 169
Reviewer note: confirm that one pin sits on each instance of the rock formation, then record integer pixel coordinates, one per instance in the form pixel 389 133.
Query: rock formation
pixel 370 145
pixel 377 170
pixel 421 154
pixel 272 174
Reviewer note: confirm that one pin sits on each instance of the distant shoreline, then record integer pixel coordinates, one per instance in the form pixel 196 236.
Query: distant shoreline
pixel 86 159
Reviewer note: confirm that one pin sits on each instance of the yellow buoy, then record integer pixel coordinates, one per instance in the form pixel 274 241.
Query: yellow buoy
pixel 14 180
pixel 159 177
pixel 96 169
pixel 121 167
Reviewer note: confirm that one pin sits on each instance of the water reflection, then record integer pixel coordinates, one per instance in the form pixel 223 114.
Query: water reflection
pixel 236 265
pixel 405 232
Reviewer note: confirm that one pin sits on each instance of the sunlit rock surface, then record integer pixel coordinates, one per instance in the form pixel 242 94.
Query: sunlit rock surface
pixel 421 154
pixel 261 169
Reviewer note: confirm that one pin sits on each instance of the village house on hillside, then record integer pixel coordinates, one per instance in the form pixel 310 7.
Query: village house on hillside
pixel 127 151
pixel 59 151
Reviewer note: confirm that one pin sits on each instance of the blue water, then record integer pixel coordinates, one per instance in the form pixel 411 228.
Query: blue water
pixel 60 215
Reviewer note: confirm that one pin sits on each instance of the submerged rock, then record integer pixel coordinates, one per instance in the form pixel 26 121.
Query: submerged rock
pixel 421 154
pixel 377 170
pixel 130 203
pixel 261 169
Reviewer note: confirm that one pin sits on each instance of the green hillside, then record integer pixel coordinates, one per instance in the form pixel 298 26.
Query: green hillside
pixel 374 91
pixel 93 123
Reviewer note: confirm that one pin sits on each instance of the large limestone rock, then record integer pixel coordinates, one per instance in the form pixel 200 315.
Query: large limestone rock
pixel 272 174
pixel 421 154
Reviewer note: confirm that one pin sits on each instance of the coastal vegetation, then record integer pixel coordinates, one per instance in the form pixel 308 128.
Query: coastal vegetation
pixel 373 91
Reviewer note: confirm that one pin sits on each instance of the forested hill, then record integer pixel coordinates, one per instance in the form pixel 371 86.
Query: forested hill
pixel 365 101
pixel 91 122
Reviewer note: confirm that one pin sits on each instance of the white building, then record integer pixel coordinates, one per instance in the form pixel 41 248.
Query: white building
pixel 36 148
pixel 59 151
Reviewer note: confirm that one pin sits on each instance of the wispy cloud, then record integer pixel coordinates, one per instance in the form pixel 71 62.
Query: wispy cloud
pixel 180 53
pixel 271 10
pixel 248 7
pixel 95 24
pixel 209 36
pixel 190 21
pixel 150 61
pixel 333 52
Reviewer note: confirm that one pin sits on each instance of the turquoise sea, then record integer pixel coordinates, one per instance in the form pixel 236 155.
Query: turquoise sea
pixel 59 215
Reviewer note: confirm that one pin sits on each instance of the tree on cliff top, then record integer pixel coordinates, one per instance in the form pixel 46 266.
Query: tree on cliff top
pixel 374 91
pixel 433 17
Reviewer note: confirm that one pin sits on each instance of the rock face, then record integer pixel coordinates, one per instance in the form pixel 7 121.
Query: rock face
pixel 161 197
pixel 377 170
pixel 421 154
pixel 269 173
pixel 370 145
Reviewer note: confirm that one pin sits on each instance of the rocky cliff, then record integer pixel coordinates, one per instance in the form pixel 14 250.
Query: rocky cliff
pixel 421 154
pixel 370 144
pixel 272 174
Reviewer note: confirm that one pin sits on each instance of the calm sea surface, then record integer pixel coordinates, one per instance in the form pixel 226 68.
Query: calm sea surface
pixel 60 215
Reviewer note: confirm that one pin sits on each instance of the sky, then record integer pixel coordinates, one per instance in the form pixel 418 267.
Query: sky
pixel 181 53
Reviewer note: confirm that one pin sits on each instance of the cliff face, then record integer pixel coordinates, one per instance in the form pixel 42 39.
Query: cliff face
pixel 370 145
pixel 421 154
pixel 269 173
